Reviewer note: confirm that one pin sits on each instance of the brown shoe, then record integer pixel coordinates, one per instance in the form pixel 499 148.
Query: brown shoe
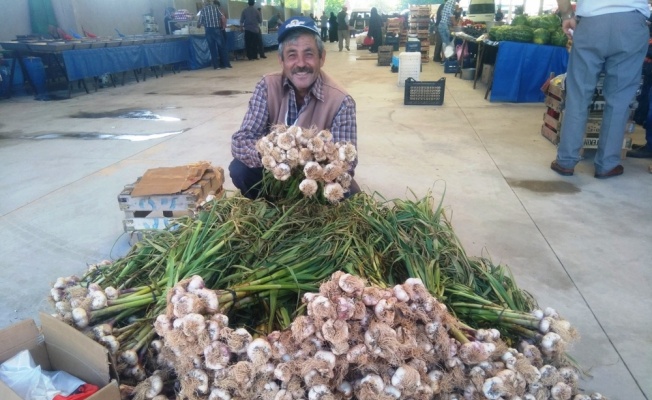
pixel 561 170
pixel 618 170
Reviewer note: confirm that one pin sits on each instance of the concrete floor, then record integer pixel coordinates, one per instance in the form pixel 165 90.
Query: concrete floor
pixel 579 244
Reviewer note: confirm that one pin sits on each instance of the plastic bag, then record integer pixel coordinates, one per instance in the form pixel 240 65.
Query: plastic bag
pixel 29 381
pixel 448 51
pixel 461 51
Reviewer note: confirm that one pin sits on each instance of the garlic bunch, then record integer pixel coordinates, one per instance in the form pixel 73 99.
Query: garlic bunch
pixel 211 360
pixel 322 162
pixel 355 341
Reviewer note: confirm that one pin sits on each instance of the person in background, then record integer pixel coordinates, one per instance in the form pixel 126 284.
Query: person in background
pixel 302 94
pixel 323 21
pixel 332 28
pixel 375 30
pixel 446 24
pixel 260 47
pixel 312 17
pixel 214 22
pixel 343 29
pixel 169 27
pixel 645 150
pixel 250 20
pixel 275 21
pixel 438 55
pixel 499 15
pixel 458 15
pixel 609 36
pixel 352 24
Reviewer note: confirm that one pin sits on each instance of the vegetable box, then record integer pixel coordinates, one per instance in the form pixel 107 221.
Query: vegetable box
pixel 60 347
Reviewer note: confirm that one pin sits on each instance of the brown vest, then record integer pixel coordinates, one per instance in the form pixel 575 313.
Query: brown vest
pixel 318 113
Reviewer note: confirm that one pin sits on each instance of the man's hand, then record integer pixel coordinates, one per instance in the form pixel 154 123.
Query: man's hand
pixel 568 25
pixel 568 21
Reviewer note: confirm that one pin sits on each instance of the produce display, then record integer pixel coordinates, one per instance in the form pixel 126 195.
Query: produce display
pixel 545 29
pixel 307 296
pixel 475 30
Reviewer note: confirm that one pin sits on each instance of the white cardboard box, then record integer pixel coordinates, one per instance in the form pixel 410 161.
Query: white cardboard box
pixel 59 347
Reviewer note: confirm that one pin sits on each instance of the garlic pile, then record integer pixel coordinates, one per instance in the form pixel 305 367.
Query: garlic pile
pixel 323 163
pixel 81 304
pixel 355 341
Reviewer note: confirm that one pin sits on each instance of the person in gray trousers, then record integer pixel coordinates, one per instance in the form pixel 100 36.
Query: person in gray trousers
pixel 609 36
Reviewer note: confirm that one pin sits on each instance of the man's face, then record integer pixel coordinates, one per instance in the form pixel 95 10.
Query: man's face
pixel 301 62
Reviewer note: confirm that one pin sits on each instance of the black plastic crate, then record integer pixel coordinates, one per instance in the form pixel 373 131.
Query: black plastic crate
pixel 392 41
pixel 425 93
pixel 451 66
pixel 414 46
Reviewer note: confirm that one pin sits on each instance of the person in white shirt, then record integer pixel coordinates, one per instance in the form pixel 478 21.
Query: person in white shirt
pixel 609 36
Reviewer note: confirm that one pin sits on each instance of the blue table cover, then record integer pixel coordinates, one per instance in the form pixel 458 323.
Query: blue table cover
pixel 200 56
pixel 522 68
pixel 88 63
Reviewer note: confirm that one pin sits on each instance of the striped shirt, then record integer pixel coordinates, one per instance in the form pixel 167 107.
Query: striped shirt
pixel 256 121
pixel 447 12
pixel 211 16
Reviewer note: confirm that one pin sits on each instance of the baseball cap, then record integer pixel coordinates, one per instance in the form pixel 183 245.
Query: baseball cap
pixel 290 24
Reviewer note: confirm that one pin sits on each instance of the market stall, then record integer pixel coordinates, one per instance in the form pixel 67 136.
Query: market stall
pixel 521 69
pixel 81 64
pixel 200 56
pixel 76 61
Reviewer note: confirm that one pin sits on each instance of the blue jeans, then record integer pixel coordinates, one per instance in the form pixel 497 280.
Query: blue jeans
pixel 445 34
pixel 217 45
pixel 246 179
pixel 616 44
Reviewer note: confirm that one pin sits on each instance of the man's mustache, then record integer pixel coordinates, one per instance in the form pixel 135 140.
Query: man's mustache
pixel 299 70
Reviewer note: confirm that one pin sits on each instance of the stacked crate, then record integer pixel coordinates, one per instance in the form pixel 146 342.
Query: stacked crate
pixel 385 54
pixel 554 115
pixel 157 212
pixel 395 27
pixel 419 26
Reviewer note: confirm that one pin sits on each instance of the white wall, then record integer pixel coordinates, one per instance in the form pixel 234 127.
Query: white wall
pixel 98 16
pixel 14 20
pixel 103 17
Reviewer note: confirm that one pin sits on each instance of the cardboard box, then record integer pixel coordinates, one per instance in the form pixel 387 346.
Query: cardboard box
pixel 169 193
pixel 59 347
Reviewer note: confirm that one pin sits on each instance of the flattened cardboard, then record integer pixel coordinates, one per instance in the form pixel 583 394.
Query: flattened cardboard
pixel 59 347
pixel 169 180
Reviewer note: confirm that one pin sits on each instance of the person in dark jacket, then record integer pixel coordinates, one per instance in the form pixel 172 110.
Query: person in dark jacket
pixel 375 30
pixel 332 28
pixel 250 21
pixel 438 55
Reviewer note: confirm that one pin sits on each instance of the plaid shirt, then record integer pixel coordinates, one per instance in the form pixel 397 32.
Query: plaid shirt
pixel 210 16
pixel 256 121
pixel 447 12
